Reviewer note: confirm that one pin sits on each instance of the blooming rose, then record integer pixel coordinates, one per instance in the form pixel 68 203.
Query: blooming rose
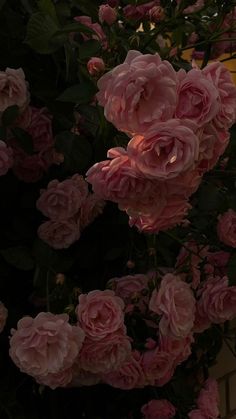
pixel 45 345
pixel 128 287
pixel 6 158
pixel 128 376
pixel 158 409
pixel 54 380
pixel 226 228
pixel 98 35
pixel 139 92
pixel 179 349
pixel 197 97
pixel 59 234
pixel 13 89
pixel 217 301
pixel 3 316
pixel 156 13
pixel 61 200
pixel 157 366
pixel 100 313
pixel 105 355
pixel 167 149
pixel 95 66
pixel 175 302
pixel 107 14
pixel 208 399
pixel 220 76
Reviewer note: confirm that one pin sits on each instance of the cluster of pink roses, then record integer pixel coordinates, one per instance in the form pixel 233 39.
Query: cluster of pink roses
pixel 207 402
pixel 179 127
pixel 36 125
pixel 70 207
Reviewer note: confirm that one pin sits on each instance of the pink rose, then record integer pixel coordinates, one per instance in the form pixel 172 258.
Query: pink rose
pixel 13 88
pixel 162 216
pixel 3 316
pixel 139 12
pixel 62 200
pixel 179 349
pixel 217 301
pixel 6 158
pixel 208 399
pixel 99 35
pixel 59 234
pixel 129 286
pixel 175 302
pixel 197 97
pixel 106 354
pixel 100 313
pixel 212 145
pixel 226 228
pixel 185 184
pixel 221 78
pixel 107 14
pixel 157 366
pixel 156 14
pixel 197 414
pixel 167 149
pixel 158 409
pixel 139 92
pixel 55 380
pixel 45 345
pixel 95 66
pixel 90 209
pixel 128 376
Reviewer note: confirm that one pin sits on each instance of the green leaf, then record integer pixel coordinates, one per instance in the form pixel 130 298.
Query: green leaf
pixel 19 257
pixel 40 30
pixel 89 49
pixel 79 93
pixel 24 140
pixel 231 270
pixel 76 149
pixel 9 115
pixel 47 7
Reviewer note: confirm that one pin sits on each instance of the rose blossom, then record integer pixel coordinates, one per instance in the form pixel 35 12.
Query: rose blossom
pixel 156 14
pixel 98 35
pixel 157 366
pixel 6 158
pixel 167 149
pixel 158 409
pixel 100 313
pixel 179 349
pixel 95 66
pixel 128 376
pixel 175 302
pixel 139 92
pixel 13 89
pixel 106 354
pixel 107 14
pixel 45 345
pixel 226 228
pixel 59 234
pixel 217 301
pixel 221 78
pixel 55 380
pixel 128 287
pixel 139 12
pixel 207 402
pixel 3 316
pixel 197 97
pixel 61 200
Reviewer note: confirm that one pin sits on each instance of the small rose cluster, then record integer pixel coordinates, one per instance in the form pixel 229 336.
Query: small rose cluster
pixel 70 208
pixel 179 127
pixel 207 402
pixel 32 124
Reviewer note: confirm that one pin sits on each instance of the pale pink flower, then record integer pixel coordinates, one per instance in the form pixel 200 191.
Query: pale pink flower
pixel 105 355
pixel 59 234
pixel 45 345
pixel 158 409
pixel 61 200
pixel 156 14
pixel 179 349
pixel 217 301
pixel 55 380
pixel 6 158
pixel 13 89
pixel 198 97
pixel 226 228
pixel 130 286
pixel 100 313
pixel 221 78
pixel 176 303
pixel 208 399
pixel 128 376
pixel 98 35
pixel 157 365
pixel 139 92
pixel 3 316
pixel 95 66
pixel 166 150
pixel 107 14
